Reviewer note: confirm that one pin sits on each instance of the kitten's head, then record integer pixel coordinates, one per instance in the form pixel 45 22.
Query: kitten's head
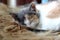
pixel 31 20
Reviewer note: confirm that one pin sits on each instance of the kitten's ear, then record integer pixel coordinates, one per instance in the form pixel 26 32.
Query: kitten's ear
pixel 32 7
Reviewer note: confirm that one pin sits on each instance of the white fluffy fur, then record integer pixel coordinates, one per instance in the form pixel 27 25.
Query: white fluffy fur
pixel 48 23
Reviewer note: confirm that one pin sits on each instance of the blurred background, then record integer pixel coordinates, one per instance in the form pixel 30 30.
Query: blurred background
pixel 14 3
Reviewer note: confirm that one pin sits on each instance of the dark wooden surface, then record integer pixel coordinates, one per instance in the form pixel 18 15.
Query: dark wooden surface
pixel 20 2
pixel 0 0
pixel 4 1
pixel 39 1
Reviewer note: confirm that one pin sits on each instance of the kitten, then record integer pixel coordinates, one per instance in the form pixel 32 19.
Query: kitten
pixel 49 18
pixel 20 16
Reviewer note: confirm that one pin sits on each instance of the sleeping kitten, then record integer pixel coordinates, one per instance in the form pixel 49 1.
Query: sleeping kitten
pixel 49 18
pixel 20 16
